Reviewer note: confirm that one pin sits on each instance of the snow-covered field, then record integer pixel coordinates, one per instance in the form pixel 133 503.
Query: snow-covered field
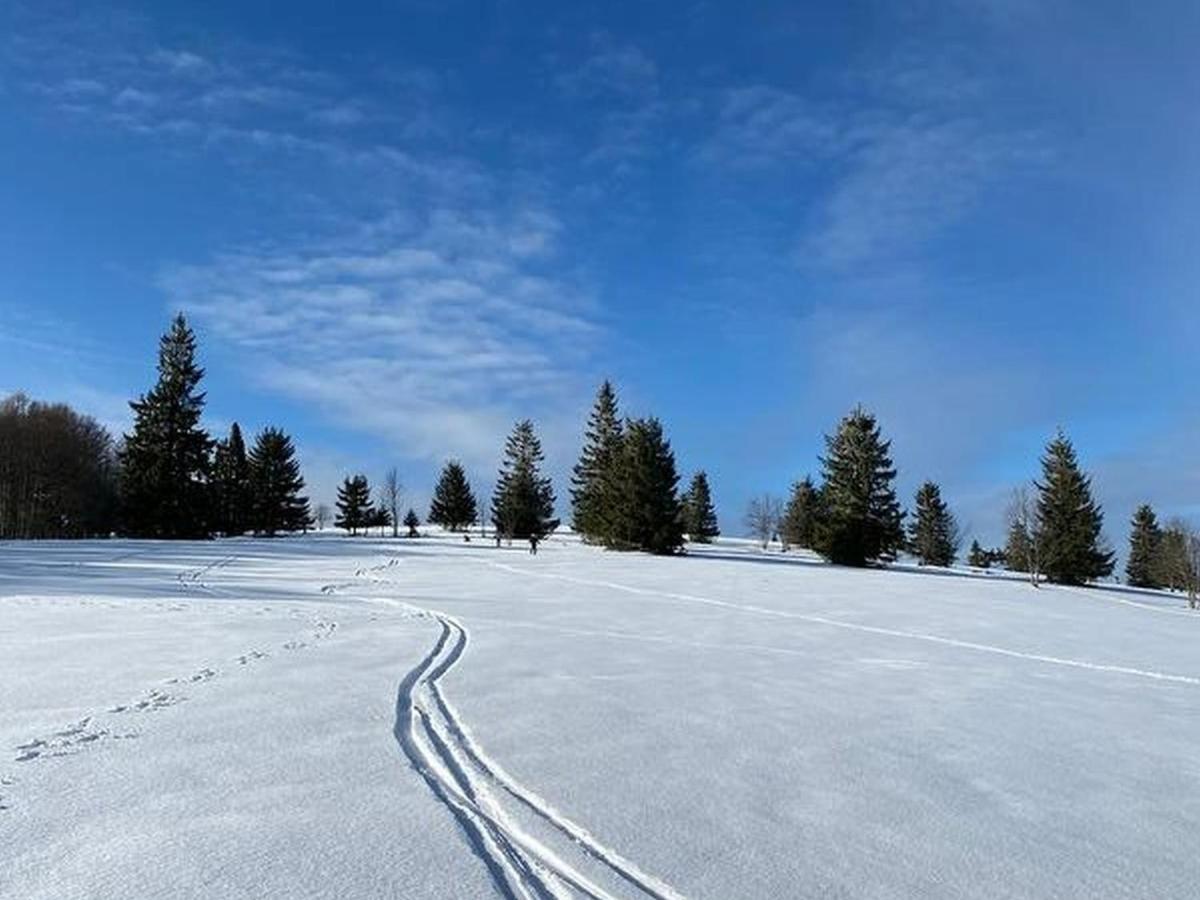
pixel 327 717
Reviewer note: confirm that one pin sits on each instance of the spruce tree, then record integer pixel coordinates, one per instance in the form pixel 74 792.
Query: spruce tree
pixel 978 558
pixel 165 459
pixel 411 522
pixel 802 516
pixel 276 485
pixel 861 518
pixel 642 507
pixel 1145 536
pixel 602 442
pixel 933 533
pixel 699 517
pixel 453 505
pixel 354 504
pixel 231 496
pixel 1018 547
pixel 1069 520
pixel 523 505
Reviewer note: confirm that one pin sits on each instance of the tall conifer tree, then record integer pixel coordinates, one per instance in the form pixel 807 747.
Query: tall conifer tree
pixel 1145 536
pixel 1069 520
pixel 642 505
pixel 602 442
pixel 861 521
pixel 523 505
pixel 699 517
pixel 412 522
pixel 165 459
pixel 933 533
pixel 802 516
pixel 354 504
pixel 453 505
pixel 1018 547
pixel 276 485
pixel 231 485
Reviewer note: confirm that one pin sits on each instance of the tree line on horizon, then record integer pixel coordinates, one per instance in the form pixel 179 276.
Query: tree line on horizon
pixel 62 475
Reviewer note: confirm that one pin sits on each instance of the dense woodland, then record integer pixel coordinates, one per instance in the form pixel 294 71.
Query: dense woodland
pixel 62 475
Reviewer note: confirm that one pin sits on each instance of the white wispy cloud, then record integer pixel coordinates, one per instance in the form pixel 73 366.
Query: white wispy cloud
pixel 432 336
pixel 902 150
pixel 611 68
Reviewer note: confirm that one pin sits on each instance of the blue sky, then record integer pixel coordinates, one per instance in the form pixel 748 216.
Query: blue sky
pixel 398 226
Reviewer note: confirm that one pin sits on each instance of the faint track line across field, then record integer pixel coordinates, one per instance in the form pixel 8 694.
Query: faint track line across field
pixel 859 627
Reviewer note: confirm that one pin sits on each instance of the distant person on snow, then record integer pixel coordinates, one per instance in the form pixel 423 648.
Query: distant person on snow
pixel 533 542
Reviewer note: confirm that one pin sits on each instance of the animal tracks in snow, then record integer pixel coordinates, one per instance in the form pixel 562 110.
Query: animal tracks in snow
pixel 66 742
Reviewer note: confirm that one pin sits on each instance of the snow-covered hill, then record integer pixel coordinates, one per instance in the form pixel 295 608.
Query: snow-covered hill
pixel 327 717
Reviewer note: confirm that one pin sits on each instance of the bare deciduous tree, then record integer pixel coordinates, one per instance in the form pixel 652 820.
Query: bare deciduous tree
pixel 762 518
pixel 1177 560
pixel 322 516
pixel 1022 514
pixel 391 492
pixel 58 472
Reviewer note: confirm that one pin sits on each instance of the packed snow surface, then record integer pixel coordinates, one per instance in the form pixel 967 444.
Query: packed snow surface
pixel 352 718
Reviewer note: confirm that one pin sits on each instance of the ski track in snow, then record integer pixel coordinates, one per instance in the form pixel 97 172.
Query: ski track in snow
pixel 432 735
pixel 1124 601
pixel 434 738
pixel 859 627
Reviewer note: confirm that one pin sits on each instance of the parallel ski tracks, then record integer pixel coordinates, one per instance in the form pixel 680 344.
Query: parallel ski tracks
pixel 474 788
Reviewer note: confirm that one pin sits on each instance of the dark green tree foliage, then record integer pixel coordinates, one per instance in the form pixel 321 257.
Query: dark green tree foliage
pixel 1145 536
pixel 523 505
pixel 933 533
pixel 453 505
pixel 802 515
pixel 165 460
pixel 58 475
pixel 354 504
pixel 412 523
pixel 377 517
pixel 699 516
pixel 1018 547
pixel 861 519
pixel 276 485
pixel 589 483
pixel 642 506
pixel 1069 521
pixel 231 497
pixel 977 557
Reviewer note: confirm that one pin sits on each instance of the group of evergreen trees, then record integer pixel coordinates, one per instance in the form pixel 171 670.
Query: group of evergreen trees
pixel 176 482
pixel 979 558
pixel 853 516
pixel 1163 556
pixel 1056 534
pixel 62 475
pixel 358 513
pixel 625 486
